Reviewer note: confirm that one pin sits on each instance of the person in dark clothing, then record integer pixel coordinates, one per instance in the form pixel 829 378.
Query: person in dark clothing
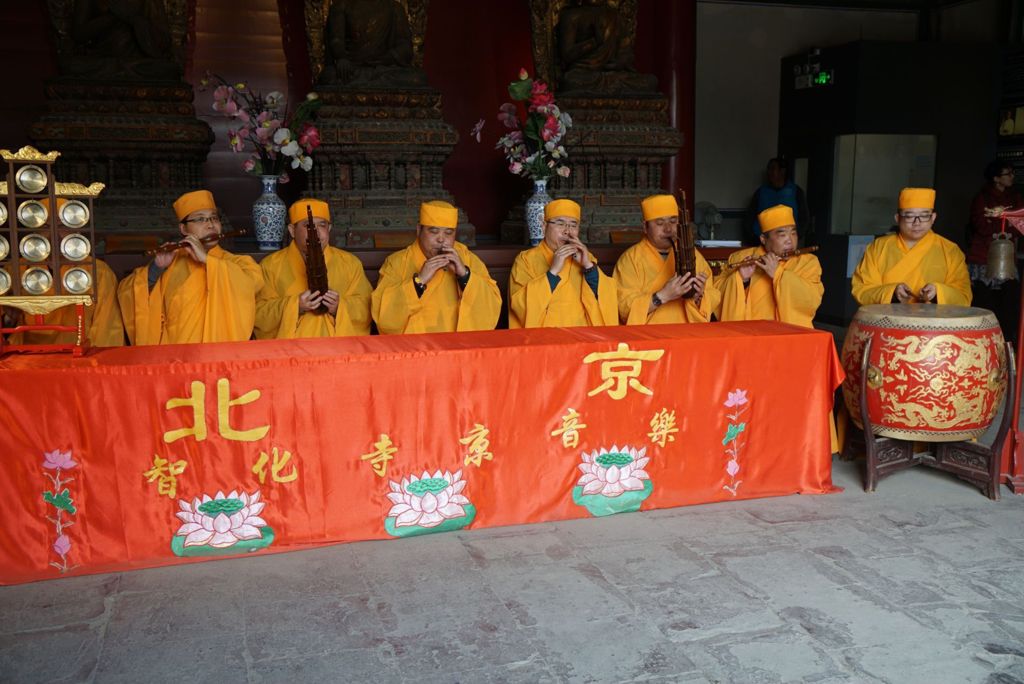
pixel 777 189
pixel 997 196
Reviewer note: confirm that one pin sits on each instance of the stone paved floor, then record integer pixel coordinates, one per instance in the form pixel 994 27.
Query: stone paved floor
pixel 921 582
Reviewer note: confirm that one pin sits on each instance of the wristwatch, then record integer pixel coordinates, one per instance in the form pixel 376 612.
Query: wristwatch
pixel 656 300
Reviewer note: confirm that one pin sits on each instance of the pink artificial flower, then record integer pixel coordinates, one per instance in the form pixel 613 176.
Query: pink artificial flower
pixel 236 139
pixel 475 133
pixel 523 74
pixel 732 467
pixel 508 115
pixel 58 460
pixel 62 545
pixel 737 398
pixel 224 100
pixel 540 96
pixel 564 171
pixel 249 164
pixel 309 138
pixel 515 167
pixel 550 129
pixel 266 125
pixel 243 116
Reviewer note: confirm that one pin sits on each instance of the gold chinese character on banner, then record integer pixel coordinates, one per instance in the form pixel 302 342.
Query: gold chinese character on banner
pixel 197 402
pixel 166 475
pixel 384 451
pixel 279 463
pixel 478 445
pixel 621 369
pixel 570 430
pixel 663 427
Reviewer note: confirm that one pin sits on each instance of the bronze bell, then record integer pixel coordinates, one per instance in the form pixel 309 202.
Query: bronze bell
pixel 1001 258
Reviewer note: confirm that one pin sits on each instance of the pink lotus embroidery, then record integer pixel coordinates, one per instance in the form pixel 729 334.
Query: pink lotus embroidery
pixel 737 398
pixel 734 440
pixel 427 501
pixel 221 521
pixel 611 472
pixel 58 460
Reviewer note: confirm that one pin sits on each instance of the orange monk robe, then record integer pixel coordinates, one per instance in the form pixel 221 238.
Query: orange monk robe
pixel 284 275
pixel 102 320
pixel 192 302
pixel 532 303
pixel 792 296
pixel 641 271
pixel 887 262
pixel 443 308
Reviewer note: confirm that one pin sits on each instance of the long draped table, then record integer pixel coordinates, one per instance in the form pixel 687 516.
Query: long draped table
pixel 138 457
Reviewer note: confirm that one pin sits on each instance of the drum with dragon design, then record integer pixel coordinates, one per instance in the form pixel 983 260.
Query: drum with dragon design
pixel 935 373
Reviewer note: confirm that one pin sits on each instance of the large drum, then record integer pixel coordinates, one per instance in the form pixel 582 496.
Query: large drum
pixel 935 373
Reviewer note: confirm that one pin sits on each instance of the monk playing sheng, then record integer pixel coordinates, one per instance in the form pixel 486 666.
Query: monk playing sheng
pixel 649 289
pixel 286 307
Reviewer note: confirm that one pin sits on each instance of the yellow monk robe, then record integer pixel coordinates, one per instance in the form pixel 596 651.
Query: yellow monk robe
pixel 887 262
pixel 532 304
pixel 192 302
pixel 284 275
pixel 396 309
pixel 792 296
pixel 102 320
pixel 641 271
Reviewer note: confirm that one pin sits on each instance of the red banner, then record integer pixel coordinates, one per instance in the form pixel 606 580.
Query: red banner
pixel 137 457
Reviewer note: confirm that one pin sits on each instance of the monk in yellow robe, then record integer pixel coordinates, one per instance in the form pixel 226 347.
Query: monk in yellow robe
pixel 770 288
pixel 915 264
pixel 649 290
pixel 286 308
pixel 558 283
pixel 435 284
pixel 199 293
pixel 103 326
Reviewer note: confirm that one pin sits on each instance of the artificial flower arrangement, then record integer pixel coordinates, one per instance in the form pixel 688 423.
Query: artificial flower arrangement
pixel 278 136
pixel 533 147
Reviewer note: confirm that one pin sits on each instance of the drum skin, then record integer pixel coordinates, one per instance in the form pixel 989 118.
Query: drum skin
pixel 935 373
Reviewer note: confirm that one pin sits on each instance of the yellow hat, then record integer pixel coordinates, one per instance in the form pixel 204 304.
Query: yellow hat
pixel 659 206
pixel 438 214
pixel 297 212
pixel 193 201
pixel 562 207
pixel 779 216
pixel 917 198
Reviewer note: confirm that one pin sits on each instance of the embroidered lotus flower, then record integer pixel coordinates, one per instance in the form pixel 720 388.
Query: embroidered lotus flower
pixel 62 545
pixel 222 521
pixel 610 472
pixel 737 398
pixel 58 460
pixel 428 500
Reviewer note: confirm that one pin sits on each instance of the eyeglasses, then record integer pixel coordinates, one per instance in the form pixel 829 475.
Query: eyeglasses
pixel 562 225
pixel 200 220
pixel 916 218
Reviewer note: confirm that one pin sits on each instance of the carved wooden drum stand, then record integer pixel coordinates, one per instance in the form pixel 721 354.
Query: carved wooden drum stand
pixel 927 373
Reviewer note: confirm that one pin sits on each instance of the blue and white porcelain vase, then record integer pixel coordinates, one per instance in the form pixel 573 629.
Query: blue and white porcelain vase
pixel 269 216
pixel 535 211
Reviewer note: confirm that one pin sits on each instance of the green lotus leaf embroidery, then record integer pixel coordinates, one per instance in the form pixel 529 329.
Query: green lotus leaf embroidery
pixel 62 501
pixel 733 432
